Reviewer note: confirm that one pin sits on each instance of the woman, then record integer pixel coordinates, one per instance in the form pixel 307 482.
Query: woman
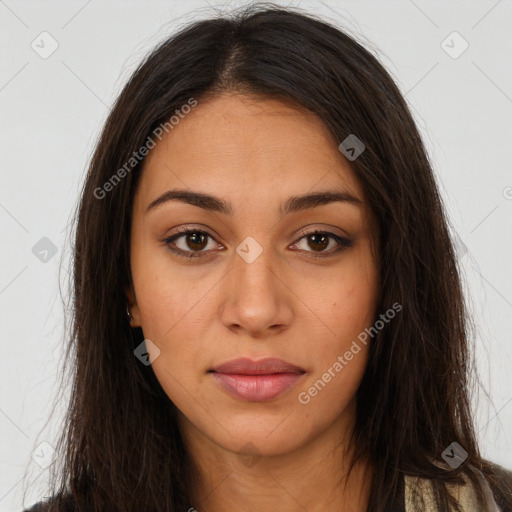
pixel 268 309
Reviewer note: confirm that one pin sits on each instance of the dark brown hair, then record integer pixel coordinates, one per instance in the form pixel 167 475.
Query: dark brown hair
pixel 120 446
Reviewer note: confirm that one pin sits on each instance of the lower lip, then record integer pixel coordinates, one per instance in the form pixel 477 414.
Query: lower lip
pixel 257 388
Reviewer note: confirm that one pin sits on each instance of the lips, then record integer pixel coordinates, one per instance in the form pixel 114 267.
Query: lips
pixel 266 366
pixel 256 381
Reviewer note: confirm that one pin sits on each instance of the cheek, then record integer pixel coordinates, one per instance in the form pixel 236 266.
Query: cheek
pixel 175 304
pixel 170 296
pixel 332 387
pixel 175 320
pixel 343 306
pixel 347 308
pixel 339 366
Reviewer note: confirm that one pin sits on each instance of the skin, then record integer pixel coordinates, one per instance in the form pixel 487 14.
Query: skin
pixel 255 153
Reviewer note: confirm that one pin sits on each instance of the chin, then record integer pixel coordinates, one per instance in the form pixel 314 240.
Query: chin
pixel 262 437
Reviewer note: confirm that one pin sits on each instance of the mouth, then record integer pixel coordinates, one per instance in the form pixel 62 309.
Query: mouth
pixel 257 381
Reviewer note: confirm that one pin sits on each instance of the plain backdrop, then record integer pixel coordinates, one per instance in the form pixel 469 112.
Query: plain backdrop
pixel 459 87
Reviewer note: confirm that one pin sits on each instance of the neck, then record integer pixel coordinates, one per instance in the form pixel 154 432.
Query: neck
pixel 315 477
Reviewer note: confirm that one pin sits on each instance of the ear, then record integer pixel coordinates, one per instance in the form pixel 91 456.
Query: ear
pixel 133 308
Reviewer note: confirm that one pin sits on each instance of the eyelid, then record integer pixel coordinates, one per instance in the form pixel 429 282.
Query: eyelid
pixel 343 242
pixel 305 231
pixel 182 231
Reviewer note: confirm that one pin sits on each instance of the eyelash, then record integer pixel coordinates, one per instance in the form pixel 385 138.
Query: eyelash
pixel 344 243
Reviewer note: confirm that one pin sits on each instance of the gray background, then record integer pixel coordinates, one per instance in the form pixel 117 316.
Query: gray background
pixel 53 108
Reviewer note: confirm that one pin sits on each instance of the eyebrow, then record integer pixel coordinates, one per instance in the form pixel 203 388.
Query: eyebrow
pixel 293 204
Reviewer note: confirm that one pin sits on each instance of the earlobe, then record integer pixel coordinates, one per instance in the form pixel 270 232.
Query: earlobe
pixel 132 309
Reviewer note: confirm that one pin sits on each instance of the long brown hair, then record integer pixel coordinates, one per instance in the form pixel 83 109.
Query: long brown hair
pixel 120 447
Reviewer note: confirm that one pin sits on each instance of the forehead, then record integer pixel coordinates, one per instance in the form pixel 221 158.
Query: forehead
pixel 247 144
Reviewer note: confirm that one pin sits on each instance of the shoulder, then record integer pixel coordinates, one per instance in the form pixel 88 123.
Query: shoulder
pixel 496 483
pixel 498 478
pixel 500 481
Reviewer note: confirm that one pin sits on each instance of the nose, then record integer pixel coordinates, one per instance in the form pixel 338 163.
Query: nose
pixel 256 298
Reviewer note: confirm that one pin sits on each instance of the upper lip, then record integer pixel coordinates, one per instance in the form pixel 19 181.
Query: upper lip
pixel 246 366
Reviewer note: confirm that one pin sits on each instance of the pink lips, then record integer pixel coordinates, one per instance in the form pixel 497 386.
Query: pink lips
pixel 257 381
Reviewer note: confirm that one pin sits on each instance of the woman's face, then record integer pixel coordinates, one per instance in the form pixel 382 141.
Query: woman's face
pixel 258 283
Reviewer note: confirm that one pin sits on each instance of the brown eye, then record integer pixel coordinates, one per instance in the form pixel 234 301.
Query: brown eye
pixel 317 242
pixel 196 241
pixel 190 242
